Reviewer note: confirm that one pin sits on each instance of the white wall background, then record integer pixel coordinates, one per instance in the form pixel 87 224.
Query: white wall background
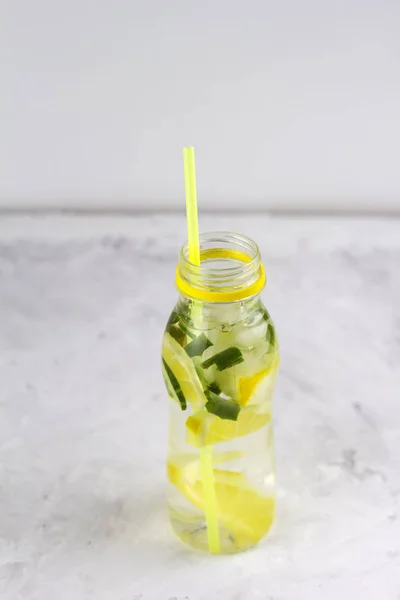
pixel 290 104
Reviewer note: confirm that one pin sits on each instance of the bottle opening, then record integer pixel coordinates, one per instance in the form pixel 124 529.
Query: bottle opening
pixel 230 269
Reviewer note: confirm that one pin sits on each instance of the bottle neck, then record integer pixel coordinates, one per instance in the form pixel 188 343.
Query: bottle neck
pixel 230 269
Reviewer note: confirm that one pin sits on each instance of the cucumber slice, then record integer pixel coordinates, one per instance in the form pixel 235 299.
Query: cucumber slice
pixel 224 360
pixel 174 318
pixel 177 333
pixel 270 337
pixel 186 329
pixel 175 386
pixel 222 407
pixel 214 387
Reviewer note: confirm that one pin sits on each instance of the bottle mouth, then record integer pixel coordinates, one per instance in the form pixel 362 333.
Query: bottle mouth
pixel 230 269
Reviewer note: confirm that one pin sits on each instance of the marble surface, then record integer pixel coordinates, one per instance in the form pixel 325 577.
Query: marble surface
pixel 83 412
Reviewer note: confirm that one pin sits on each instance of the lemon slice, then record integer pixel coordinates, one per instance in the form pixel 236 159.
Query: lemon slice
pixel 184 371
pixel 245 512
pixel 204 429
pixel 258 388
pixel 246 386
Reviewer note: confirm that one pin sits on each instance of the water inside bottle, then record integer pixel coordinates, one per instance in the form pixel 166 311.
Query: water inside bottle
pixel 220 364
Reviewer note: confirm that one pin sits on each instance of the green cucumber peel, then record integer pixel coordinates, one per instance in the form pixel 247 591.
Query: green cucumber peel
pixel 175 386
pixel 224 360
pixel 222 407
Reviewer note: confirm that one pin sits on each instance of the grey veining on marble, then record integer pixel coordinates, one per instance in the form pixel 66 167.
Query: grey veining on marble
pixel 83 412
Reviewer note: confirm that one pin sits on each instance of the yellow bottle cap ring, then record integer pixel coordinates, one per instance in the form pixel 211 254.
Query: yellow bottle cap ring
pixel 212 295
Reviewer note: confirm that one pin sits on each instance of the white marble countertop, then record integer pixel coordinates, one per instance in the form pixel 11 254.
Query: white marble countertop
pixel 83 412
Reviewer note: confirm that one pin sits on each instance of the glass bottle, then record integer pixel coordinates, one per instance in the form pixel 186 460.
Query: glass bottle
pixel 220 360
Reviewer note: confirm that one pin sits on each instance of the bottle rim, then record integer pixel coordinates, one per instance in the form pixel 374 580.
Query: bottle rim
pixel 230 269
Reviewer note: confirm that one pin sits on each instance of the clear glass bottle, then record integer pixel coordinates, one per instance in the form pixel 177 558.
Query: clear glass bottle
pixel 220 360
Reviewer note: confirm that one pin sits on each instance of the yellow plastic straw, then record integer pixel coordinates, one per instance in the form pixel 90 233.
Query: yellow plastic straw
pixel 191 205
pixel 206 466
